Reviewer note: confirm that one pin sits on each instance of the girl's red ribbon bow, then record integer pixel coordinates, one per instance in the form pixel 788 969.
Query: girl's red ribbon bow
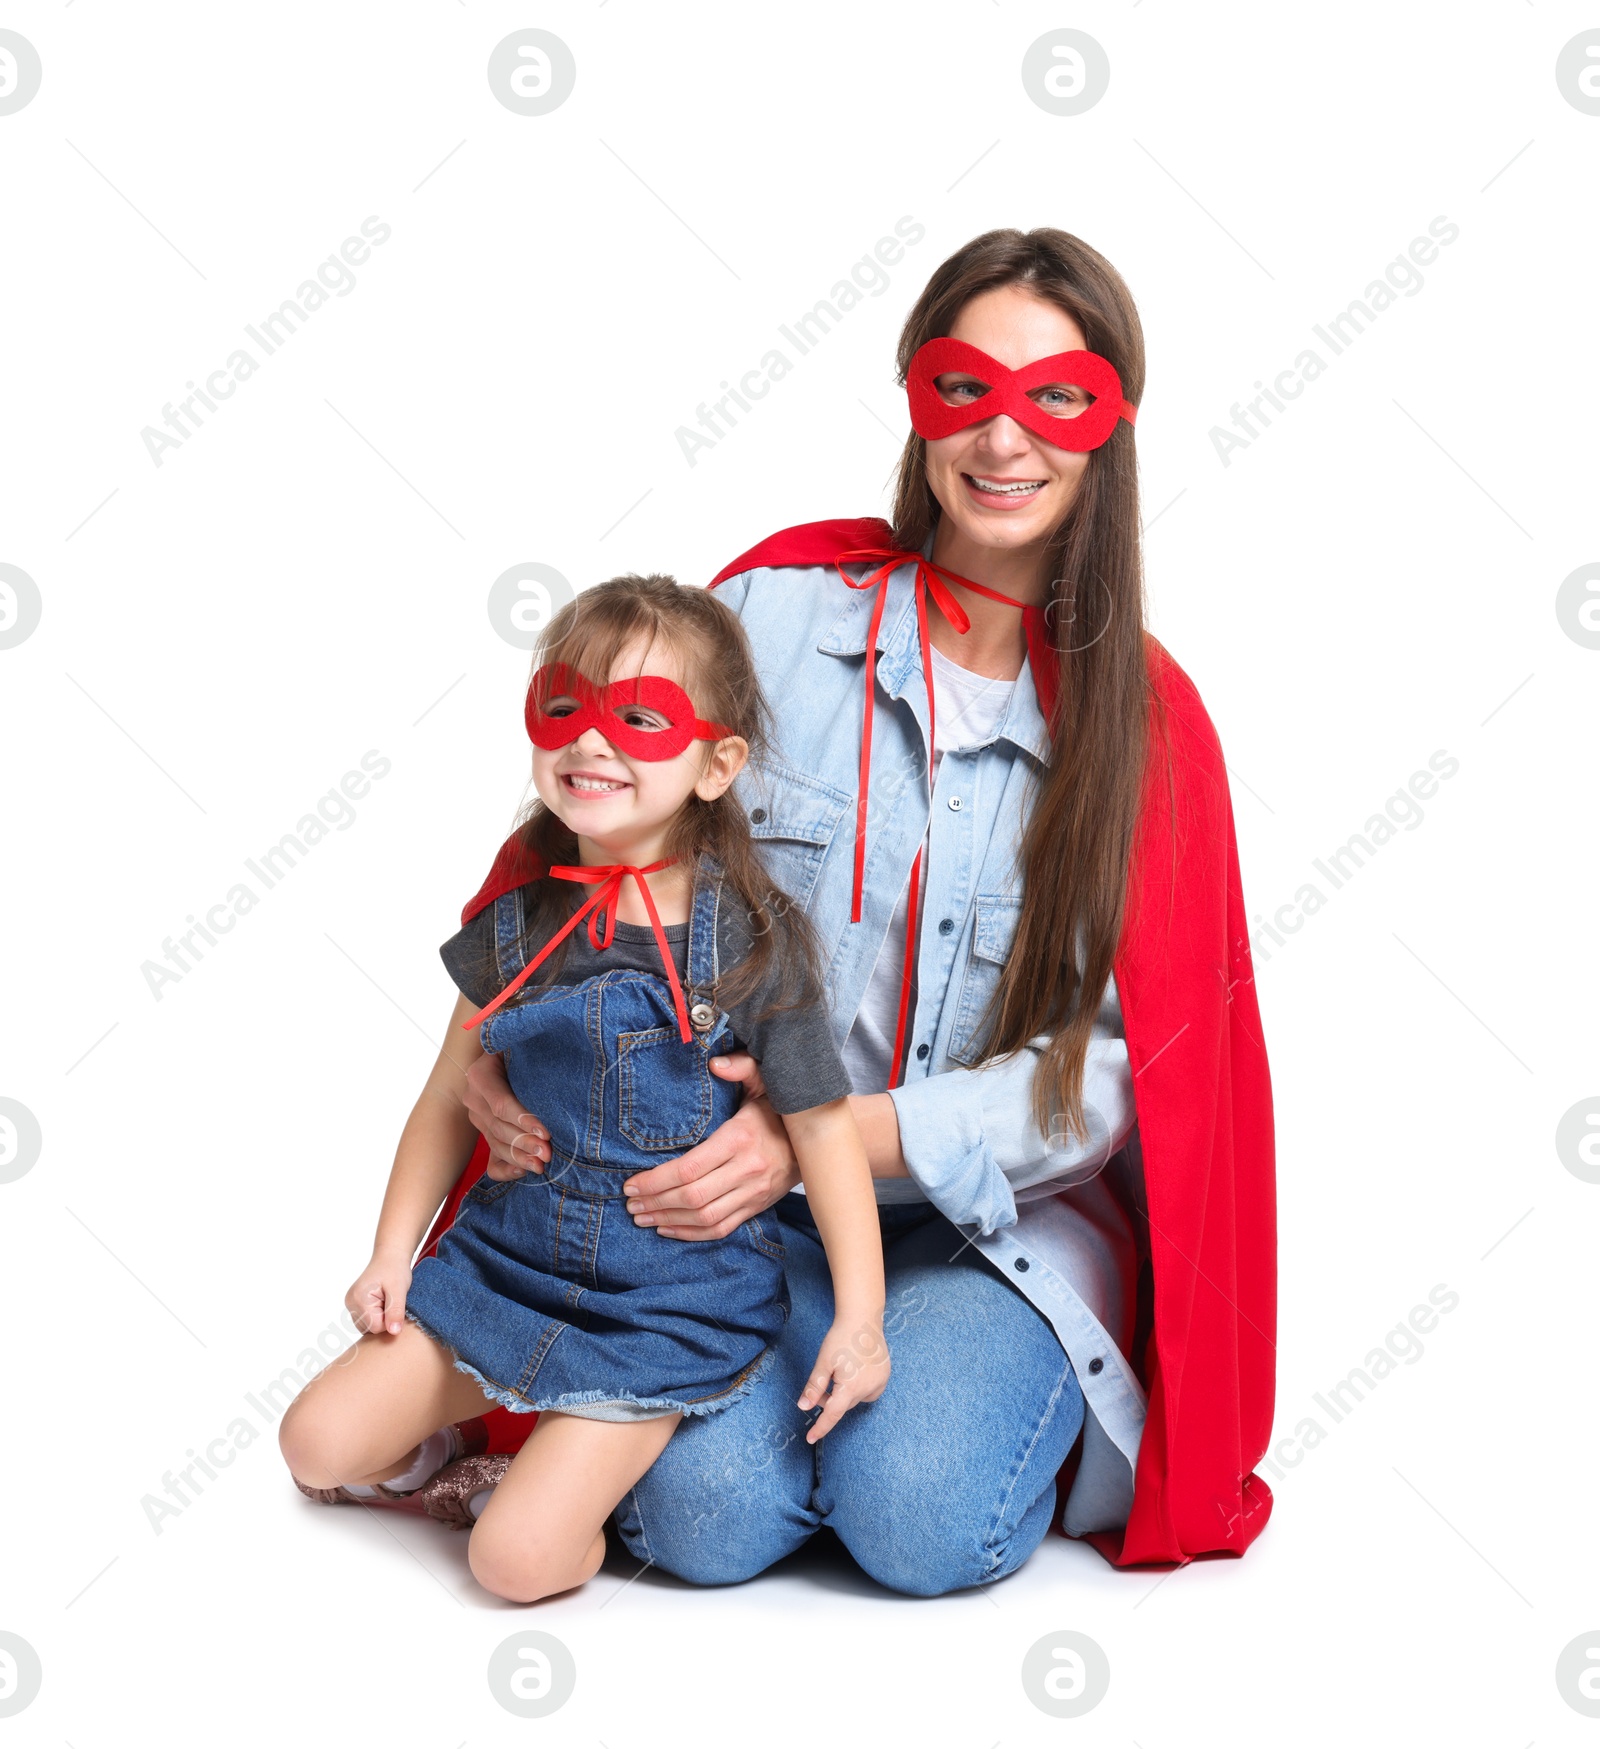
pixel 601 912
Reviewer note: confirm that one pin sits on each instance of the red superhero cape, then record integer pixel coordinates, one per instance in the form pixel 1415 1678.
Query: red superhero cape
pixel 1206 1345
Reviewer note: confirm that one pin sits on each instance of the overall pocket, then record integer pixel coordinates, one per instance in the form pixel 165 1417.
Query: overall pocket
pixel 488 1190
pixel 993 932
pixel 663 1090
pixel 765 1232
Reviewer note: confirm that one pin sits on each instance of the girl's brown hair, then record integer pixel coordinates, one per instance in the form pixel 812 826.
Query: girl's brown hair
pixel 1077 843
pixel 589 634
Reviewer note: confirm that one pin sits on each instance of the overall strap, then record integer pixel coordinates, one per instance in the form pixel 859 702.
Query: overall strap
pixel 600 913
pixel 703 961
pixel 510 922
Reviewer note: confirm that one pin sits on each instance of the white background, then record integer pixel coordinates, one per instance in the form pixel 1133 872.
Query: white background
pixel 305 579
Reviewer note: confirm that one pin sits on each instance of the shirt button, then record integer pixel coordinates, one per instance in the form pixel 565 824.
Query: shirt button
pixel 757 815
pixel 1022 1263
pixel 945 925
pixel 922 1053
pixel 1097 1365
pixel 955 804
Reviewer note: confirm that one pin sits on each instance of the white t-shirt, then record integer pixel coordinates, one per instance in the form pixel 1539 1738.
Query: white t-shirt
pixel 967 710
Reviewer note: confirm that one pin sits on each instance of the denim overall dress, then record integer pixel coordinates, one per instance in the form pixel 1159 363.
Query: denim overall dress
pixel 544 1288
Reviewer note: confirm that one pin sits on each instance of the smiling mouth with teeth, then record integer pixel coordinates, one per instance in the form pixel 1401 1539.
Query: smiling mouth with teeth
pixel 591 786
pixel 1005 488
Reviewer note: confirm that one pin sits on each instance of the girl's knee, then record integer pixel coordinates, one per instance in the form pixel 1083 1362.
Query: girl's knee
pixel 303 1443
pixel 522 1570
pixel 319 1448
pixel 503 1574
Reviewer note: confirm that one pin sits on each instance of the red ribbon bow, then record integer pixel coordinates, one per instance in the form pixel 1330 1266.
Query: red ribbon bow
pixel 934 580
pixel 603 904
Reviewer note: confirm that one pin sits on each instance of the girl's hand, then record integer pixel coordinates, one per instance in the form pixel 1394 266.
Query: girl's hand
pixel 741 1168
pixel 518 1142
pixel 855 1356
pixel 741 1066
pixel 377 1298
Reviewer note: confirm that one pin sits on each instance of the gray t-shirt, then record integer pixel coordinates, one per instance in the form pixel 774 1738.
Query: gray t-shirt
pixel 794 1045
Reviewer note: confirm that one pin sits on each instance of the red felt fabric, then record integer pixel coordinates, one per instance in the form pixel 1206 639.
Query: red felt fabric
pixel 934 417
pixel 605 708
pixel 1204 1101
pixel 514 866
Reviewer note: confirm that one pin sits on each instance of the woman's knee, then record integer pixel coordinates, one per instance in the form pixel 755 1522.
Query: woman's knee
pixel 718 1519
pixel 930 1570
pixel 926 1553
pixel 902 1529
pixel 925 1528
pixel 713 1543
pixel 918 1538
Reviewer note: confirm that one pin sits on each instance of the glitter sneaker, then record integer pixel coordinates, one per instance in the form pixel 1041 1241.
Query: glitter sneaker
pixel 470 1437
pixel 447 1494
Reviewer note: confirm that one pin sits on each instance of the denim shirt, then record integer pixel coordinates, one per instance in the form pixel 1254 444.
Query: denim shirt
pixel 1037 1205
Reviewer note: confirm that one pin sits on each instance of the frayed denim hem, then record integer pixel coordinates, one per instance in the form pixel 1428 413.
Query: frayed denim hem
pixel 584 1403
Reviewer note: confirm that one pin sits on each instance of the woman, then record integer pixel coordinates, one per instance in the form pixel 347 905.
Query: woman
pixel 1061 1084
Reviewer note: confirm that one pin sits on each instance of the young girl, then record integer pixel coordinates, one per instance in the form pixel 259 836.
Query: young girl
pixel 648 940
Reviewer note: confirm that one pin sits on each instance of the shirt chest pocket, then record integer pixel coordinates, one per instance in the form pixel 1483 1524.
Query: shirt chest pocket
pixel 793 819
pixel 993 931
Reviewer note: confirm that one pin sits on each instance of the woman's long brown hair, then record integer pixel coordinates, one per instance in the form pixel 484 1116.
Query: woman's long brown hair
pixel 589 634
pixel 1076 846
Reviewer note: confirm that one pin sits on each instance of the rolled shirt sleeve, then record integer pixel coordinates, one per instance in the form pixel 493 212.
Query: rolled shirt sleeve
pixel 971 1143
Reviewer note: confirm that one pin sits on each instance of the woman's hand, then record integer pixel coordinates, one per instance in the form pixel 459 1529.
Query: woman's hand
pixel 518 1142
pixel 855 1356
pixel 376 1301
pixel 741 1168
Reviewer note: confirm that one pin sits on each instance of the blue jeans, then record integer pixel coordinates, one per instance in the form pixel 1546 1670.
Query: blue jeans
pixel 947 1480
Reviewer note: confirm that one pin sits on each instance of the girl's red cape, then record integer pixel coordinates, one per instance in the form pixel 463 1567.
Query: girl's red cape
pixel 1205 1346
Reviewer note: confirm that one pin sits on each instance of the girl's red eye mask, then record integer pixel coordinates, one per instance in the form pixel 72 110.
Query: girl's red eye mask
pixel 1077 426
pixel 562 704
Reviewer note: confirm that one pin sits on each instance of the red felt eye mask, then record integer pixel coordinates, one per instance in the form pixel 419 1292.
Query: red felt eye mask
pixel 1076 425
pixel 562 704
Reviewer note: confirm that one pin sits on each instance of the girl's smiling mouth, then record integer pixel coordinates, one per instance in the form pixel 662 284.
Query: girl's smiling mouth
pixel 591 783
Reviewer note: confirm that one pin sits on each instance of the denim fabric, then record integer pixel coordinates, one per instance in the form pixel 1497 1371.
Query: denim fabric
pixel 544 1288
pixel 1036 1202
pixel 785 1027
pixel 948 1480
